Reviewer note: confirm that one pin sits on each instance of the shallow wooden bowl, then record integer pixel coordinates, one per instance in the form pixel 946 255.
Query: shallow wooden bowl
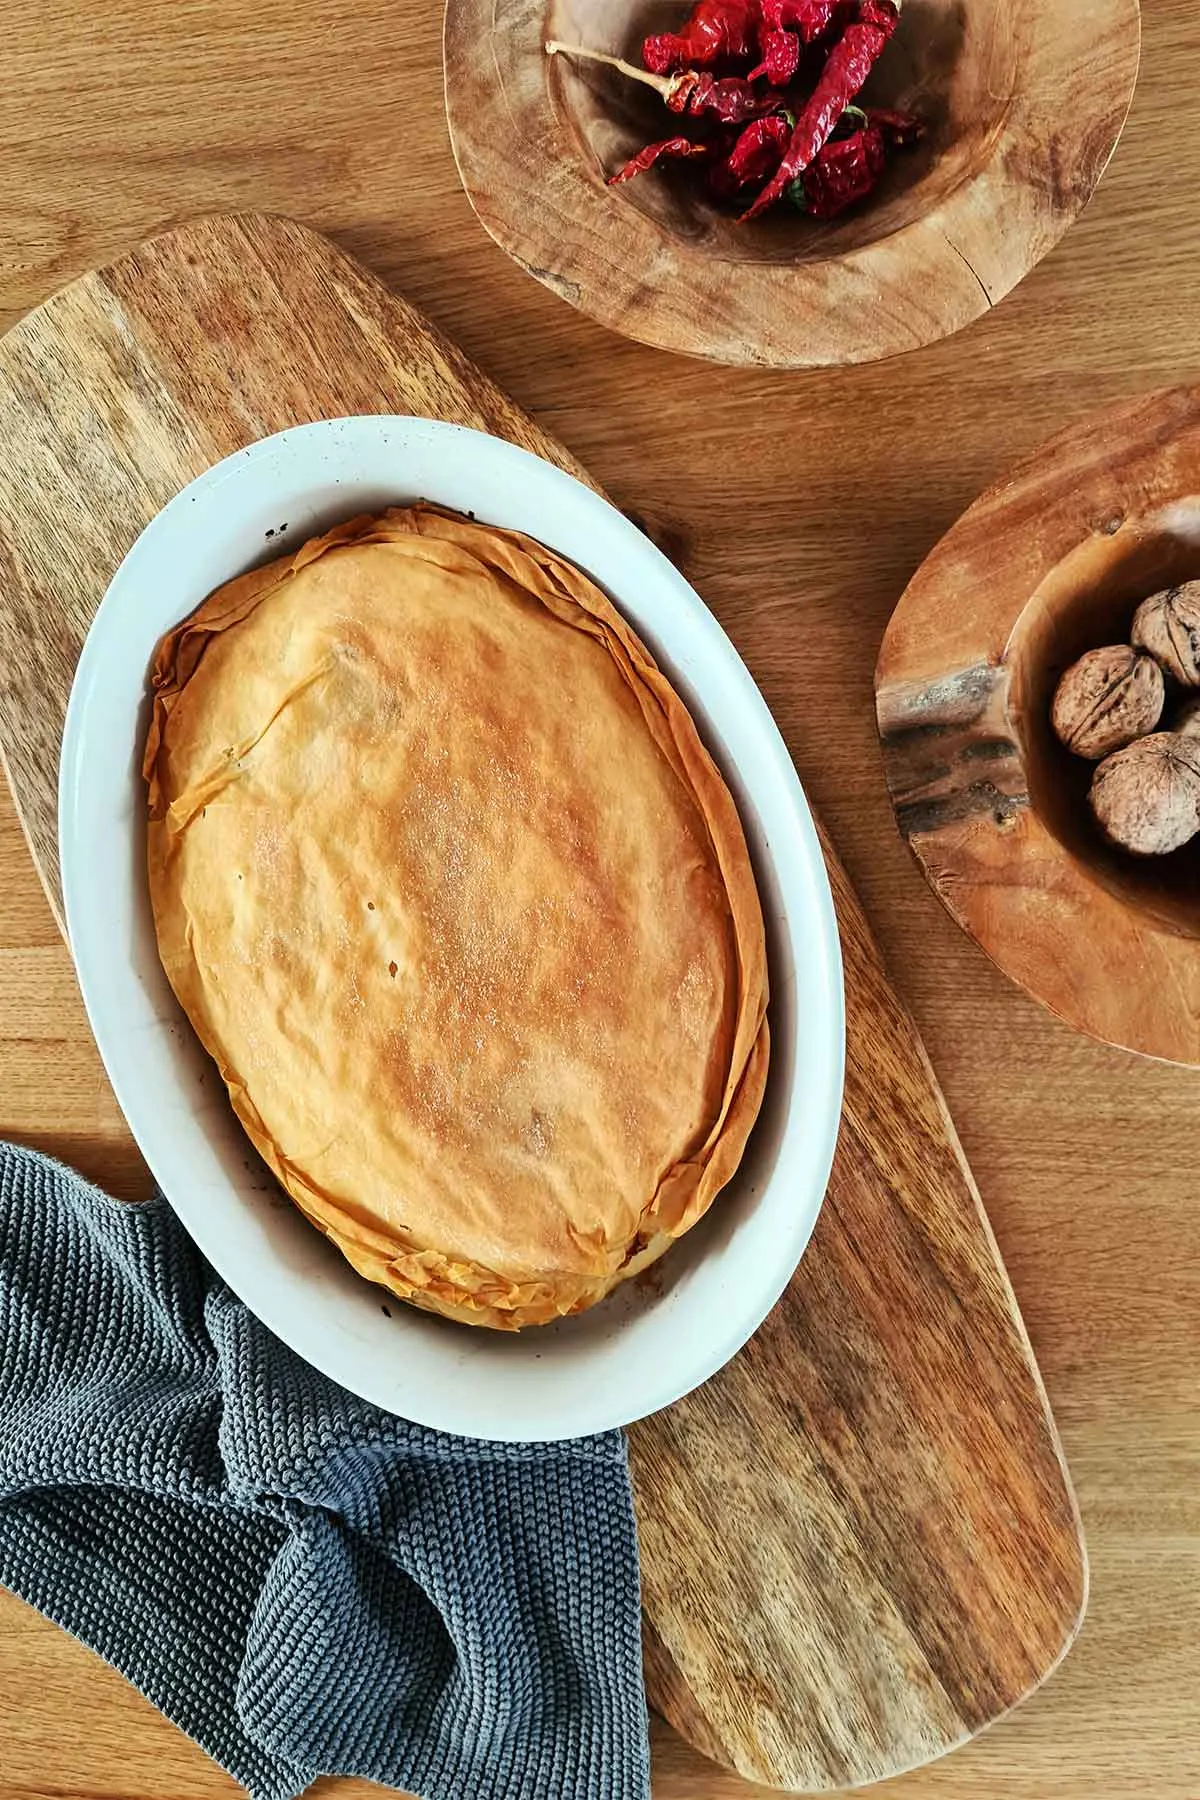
pixel 1049 563
pixel 1024 100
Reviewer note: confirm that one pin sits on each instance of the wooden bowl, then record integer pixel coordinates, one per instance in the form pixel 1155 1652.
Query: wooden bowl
pixel 1024 101
pixel 1050 562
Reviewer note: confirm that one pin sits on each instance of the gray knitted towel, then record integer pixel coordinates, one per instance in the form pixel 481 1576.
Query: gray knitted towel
pixel 303 1583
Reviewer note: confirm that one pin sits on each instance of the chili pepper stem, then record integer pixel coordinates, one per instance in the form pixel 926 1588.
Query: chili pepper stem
pixel 666 85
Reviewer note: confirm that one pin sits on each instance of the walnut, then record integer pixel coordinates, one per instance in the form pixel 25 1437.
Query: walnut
pixel 1146 798
pixel 1168 627
pixel 1186 718
pixel 1106 699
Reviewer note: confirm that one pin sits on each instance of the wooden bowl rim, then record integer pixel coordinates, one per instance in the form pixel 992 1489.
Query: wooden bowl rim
pixel 1119 470
pixel 854 306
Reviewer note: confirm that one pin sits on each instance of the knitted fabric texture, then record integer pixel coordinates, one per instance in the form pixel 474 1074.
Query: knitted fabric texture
pixel 305 1584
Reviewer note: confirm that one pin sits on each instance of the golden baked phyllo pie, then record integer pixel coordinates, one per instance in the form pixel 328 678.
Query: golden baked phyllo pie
pixel 459 904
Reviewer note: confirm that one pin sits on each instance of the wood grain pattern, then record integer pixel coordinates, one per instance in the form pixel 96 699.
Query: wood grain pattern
pixel 800 506
pixel 1050 562
pixel 903 1564
pixel 896 1546
pixel 1024 105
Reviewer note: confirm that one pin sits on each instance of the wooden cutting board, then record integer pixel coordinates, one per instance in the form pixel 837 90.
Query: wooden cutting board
pixel 859 1541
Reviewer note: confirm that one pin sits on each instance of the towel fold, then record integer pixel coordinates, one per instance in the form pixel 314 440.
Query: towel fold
pixel 303 1583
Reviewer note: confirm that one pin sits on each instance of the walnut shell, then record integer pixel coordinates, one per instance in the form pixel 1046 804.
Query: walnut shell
pixel 1186 717
pixel 1146 798
pixel 1167 626
pixel 1106 699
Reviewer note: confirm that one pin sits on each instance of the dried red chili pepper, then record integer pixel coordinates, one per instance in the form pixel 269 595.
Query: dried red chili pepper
pixel 695 92
pixel 716 31
pixel 754 156
pixel 900 130
pixel 673 147
pixel 780 53
pixel 729 99
pixel 786 28
pixel 846 68
pixel 842 174
pixel 809 18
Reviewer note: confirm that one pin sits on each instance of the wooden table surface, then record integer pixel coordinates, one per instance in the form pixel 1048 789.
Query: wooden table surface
pixel 799 505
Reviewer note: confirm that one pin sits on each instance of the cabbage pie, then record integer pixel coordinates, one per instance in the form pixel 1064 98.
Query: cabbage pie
pixel 452 893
